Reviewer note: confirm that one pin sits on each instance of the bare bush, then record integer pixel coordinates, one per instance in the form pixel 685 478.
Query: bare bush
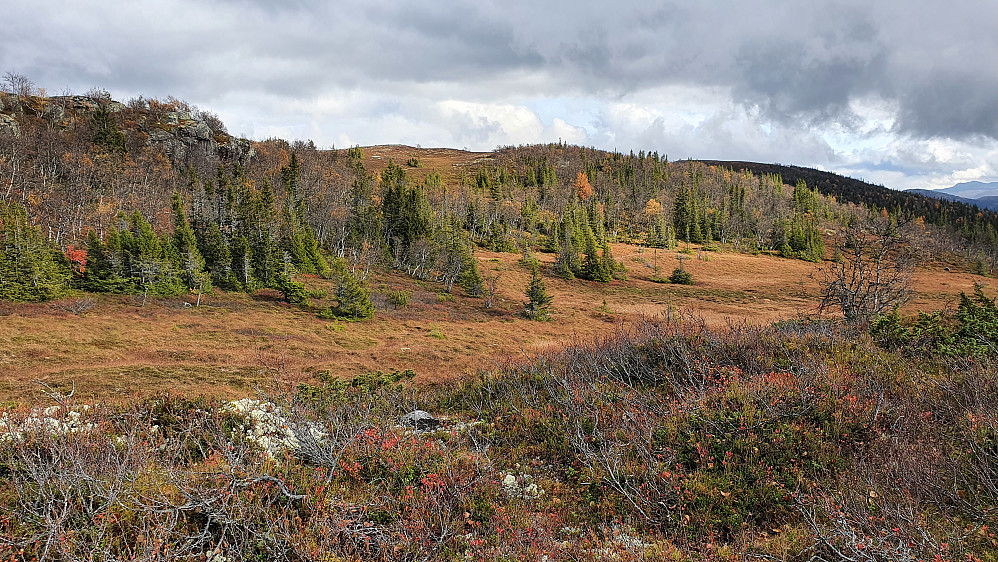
pixel 99 94
pixel 491 291
pixel 871 274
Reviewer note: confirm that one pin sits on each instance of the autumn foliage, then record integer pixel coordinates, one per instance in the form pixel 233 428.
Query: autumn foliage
pixel 669 441
pixel 583 190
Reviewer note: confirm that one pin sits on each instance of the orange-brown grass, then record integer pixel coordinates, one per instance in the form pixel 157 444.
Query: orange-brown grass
pixel 450 163
pixel 233 344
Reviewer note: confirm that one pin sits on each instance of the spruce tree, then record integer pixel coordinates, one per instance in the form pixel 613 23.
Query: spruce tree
pixel 106 269
pixel 568 262
pixel 352 299
pixel 291 291
pixel 591 263
pixel 538 299
pixel 149 259
pixel 265 262
pixel 470 279
pixel 31 268
pixel 405 208
pixel 107 136
pixel 365 219
pixel 682 213
pixel 608 265
pixel 218 260
pixel 242 261
pixel 185 246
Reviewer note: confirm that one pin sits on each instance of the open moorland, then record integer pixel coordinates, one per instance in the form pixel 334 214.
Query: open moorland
pixel 114 348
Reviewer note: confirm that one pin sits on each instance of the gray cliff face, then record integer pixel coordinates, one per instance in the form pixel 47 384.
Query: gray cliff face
pixel 180 136
pixel 8 123
pixel 85 103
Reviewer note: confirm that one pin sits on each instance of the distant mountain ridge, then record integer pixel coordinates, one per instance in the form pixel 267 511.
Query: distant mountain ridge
pixel 983 195
pixel 989 202
pixel 973 189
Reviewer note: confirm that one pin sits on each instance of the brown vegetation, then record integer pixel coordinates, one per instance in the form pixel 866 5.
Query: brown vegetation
pixel 115 349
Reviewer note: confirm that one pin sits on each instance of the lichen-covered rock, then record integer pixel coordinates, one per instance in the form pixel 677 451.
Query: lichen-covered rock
pixel 236 150
pixel 55 112
pixel 86 103
pixel 180 135
pixel 169 143
pixel 270 427
pixel 9 126
pixel 197 130
pixel 420 421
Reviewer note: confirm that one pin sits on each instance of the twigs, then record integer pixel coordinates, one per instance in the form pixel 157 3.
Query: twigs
pixel 58 397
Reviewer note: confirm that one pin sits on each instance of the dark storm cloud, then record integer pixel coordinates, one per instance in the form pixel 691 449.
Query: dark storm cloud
pixel 789 81
pixel 957 105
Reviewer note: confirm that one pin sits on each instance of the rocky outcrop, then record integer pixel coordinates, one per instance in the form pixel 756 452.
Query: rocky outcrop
pixel 181 135
pixel 9 126
pixel 236 150
pixel 86 103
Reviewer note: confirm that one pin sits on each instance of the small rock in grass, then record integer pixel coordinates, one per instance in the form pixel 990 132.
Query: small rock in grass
pixel 420 420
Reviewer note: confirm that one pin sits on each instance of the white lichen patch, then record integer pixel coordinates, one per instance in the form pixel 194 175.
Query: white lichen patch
pixel 54 420
pixel 521 487
pixel 270 427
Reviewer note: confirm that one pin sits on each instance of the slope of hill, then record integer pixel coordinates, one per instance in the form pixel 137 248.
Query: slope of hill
pixel 969 221
pixel 942 194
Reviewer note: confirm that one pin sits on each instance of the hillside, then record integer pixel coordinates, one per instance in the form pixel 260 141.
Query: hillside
pixel 221 349
pixel 961 215
pixel 974 189
pixel 116 348
pixel 263 221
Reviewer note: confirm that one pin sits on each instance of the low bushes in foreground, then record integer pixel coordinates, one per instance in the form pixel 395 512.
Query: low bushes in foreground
pixel 668 441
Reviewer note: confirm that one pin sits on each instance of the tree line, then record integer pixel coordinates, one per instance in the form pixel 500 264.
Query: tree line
pixel 93 181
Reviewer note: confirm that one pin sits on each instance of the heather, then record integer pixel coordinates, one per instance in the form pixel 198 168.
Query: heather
pixel 800 440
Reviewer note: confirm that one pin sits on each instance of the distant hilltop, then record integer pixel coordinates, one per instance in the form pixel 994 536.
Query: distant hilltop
pixel 982 194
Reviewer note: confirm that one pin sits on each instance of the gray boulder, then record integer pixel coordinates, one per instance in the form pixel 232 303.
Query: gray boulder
pixel 55 113
pixel 197 130
pixel 174 148
pixel 9 126
pixel 420 421
pixel 236 150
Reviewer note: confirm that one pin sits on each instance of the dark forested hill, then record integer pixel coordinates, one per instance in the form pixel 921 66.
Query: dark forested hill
pixel 974 224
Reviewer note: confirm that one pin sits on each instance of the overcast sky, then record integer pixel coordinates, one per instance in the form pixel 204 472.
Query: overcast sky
pixel 898 92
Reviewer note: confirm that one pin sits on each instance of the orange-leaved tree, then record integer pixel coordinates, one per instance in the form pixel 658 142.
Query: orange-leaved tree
pixel 582 187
